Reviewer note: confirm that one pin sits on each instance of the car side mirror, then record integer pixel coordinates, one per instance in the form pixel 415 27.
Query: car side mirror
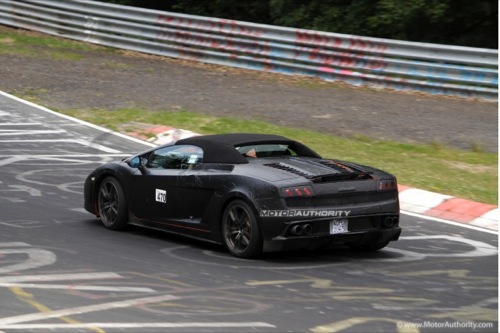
pixel 134 162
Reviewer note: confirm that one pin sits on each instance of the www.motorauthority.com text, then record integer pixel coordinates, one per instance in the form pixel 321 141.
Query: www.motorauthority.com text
pixel 452 325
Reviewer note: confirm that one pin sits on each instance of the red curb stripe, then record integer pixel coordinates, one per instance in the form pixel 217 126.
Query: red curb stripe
pixel 402 188
pixel 158 129
pixel 460 210
pixel 138 135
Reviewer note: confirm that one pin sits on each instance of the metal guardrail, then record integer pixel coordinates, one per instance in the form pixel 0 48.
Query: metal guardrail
pixel 431 68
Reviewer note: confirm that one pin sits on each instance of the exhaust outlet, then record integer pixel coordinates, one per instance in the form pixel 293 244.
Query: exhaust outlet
pixel 390 221
pixel 301 229
pixel 297 230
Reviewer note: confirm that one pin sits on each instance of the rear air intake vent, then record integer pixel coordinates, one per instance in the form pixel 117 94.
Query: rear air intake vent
pixel 336 166
pixel 288 168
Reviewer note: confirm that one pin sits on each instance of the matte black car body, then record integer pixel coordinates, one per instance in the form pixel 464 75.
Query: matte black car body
pixel 286 197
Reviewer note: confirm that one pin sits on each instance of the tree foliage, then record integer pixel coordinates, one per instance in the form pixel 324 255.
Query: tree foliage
pixel 454 22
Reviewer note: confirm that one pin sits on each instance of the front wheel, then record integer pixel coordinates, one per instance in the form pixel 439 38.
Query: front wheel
pixel 112 204
pixel 240 230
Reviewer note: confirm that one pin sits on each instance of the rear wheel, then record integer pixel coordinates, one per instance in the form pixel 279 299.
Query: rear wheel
pixel 112 204
pixel 369 247
pixel 240 230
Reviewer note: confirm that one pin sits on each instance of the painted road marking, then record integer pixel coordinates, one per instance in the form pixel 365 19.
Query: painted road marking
pixel 23 188
pixel 347 324
pixel 479 249
pixel 17 322
pixel 36 258
pixel 142 325
pixel 76 287
pixel 10 160
pixel 77 141
pixel 85 309
pixel 22 224
pixel 79 210
pixel 58 158
pixel 60 277
pixel 75 120
pixel 13 244
pixel 48 156
pixel 40 257
pixel 436 219
pixel 29 132
pixel 19 124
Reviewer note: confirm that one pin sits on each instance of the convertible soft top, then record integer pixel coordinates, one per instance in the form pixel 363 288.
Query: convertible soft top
pixel 220 148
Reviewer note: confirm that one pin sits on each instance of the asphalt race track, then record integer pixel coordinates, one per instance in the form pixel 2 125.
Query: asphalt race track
pixel 61 271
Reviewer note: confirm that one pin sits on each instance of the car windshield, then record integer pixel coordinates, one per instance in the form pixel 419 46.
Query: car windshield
pixel 266 150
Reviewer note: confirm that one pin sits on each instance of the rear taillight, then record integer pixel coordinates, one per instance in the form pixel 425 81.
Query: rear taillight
pixel 297 191
pixel 387 185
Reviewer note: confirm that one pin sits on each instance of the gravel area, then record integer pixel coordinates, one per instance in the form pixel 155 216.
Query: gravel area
pixel 110 80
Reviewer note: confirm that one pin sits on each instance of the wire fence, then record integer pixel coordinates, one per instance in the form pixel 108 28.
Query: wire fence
pixel 361 61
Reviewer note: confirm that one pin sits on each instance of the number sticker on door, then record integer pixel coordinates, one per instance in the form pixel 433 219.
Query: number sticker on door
pixel 161 196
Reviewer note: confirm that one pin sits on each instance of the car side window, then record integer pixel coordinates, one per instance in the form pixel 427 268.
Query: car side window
pixel 175 157
pixel 266 150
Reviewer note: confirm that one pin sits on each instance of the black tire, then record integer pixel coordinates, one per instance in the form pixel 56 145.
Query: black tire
pixel 370 247
pixel 112 204
pixel 240 230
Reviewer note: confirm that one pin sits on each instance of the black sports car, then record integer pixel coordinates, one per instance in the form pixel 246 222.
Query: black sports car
pixel 251 192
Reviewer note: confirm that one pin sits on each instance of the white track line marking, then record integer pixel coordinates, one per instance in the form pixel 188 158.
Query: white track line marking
pixel 42 156
pixel 458 224
pixel 79 141
pixel 76 287
pixel 31 132
pixel 81 122
pixel 59 277
pixel 140 325
pixel 21 124
pixel 85 309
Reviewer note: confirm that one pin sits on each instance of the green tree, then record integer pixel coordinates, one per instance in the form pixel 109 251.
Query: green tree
pixel 342 16
pixel 252 11
pixel 459 22
pixel 462 22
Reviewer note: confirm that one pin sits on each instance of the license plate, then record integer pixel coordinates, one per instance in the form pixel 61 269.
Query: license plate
pixel 338 226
